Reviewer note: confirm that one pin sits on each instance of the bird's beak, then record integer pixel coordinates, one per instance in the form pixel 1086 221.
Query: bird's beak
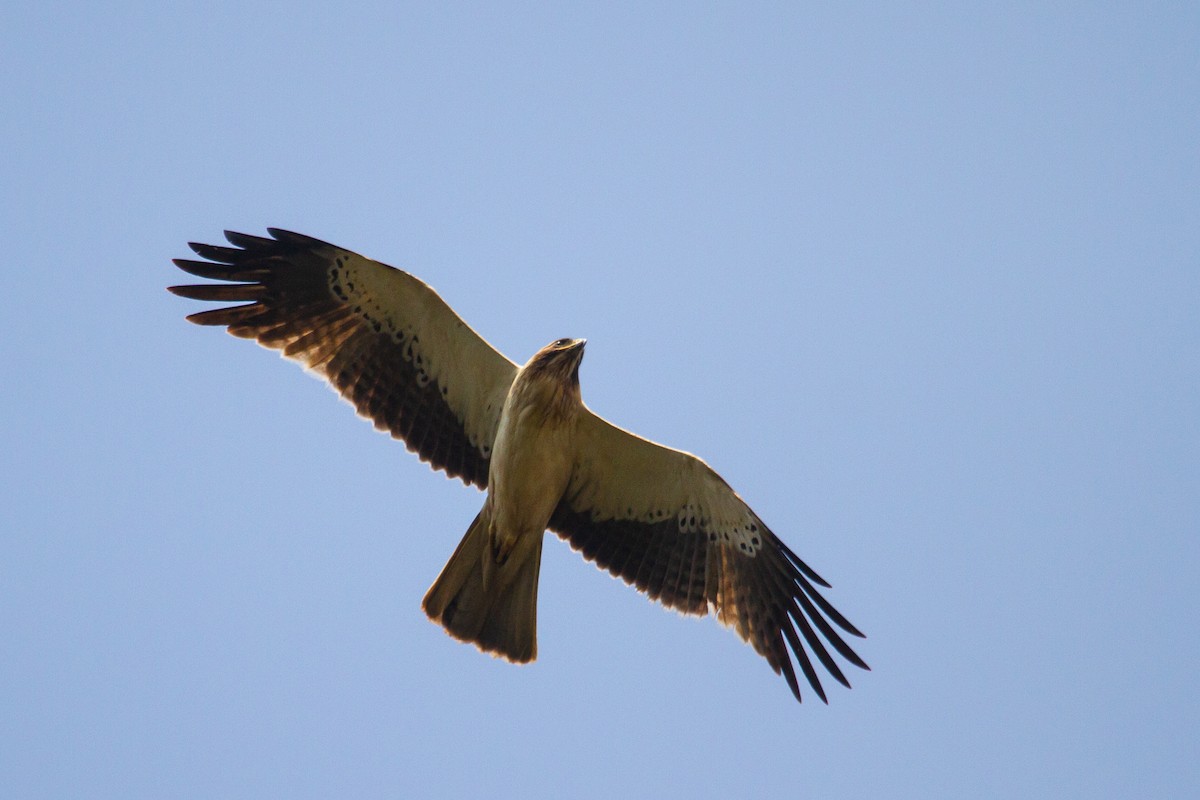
pixel 576 355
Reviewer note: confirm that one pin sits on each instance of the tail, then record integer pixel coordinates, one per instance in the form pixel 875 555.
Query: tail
pixel 489 603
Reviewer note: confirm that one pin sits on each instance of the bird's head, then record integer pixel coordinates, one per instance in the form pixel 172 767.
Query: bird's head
pixel 550 380
pixel 558 361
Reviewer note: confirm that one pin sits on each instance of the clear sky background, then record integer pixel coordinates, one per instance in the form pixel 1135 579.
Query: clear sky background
pixel 922 282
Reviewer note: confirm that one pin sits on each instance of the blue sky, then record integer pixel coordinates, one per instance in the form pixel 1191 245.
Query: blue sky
pixel 922 282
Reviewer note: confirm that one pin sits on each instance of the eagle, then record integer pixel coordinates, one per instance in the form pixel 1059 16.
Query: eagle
pixel 660 519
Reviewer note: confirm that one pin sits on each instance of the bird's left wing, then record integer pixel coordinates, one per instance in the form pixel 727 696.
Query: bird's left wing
pixel 664 521
pixel 385 340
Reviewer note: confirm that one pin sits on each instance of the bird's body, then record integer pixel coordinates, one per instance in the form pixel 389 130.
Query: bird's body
pixel 656 517
pixel 534 450
pixel 531 465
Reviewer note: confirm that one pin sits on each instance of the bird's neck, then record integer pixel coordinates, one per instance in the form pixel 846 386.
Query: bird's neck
pixel 546 396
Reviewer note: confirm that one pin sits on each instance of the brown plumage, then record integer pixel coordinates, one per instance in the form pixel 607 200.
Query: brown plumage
pixel 658 518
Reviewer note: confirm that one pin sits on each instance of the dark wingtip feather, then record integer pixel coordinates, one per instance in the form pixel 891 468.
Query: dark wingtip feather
pixel 831 636
pixel 806 665
pixel 838 618
pixel 298 239
pixel 789 675
pixel 247 241
pixel 213 252
pixel 849 628
pixel 812 575
pixel 202 269
pixel 219 253
pixel 222 292
pixel 847 652
pixel 232 315
pixel 815 683
pixel 808 571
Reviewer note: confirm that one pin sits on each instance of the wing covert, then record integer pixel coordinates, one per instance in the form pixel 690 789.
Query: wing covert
pixel 384 339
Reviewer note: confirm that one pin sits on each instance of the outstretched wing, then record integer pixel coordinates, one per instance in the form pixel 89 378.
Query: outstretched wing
pixel 385 340
pixel 664 521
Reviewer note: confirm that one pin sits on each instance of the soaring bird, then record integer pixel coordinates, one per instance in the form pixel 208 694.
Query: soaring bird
pixel 658 518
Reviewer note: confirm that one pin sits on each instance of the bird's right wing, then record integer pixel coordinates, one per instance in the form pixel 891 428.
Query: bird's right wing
pixel 386 341
pixel 664 521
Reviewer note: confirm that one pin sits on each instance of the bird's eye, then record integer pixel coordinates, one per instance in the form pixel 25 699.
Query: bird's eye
pixel 562 343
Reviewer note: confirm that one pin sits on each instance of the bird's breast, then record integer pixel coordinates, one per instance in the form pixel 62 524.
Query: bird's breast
pixel 530 467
